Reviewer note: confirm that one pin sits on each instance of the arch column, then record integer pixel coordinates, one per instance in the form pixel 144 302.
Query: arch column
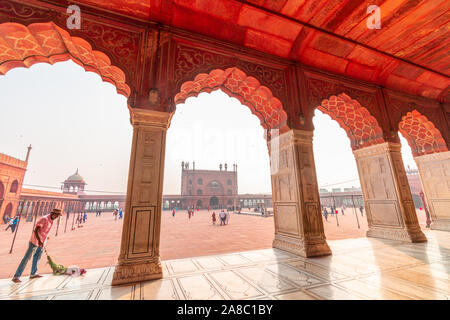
pixel 139 258
pixel 387 196
pixel 434 170
pixel 296 203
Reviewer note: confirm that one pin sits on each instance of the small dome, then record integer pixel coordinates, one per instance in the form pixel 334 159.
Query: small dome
pixel 75 177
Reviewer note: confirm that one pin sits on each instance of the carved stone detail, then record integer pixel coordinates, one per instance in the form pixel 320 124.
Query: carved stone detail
pixel 389 207
pixel 434 172
pixel 298 220
pixel 137 272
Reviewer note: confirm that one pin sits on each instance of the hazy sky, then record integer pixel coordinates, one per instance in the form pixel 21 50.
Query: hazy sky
pixel 74 120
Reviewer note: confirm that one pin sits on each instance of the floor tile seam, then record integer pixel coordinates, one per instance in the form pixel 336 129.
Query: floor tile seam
pixel 60 291
pixel 376 288
pixel 226 267
pixel 246 278
pixel 351 291
pixel 408 283
pixel 292 281
pixel 238 275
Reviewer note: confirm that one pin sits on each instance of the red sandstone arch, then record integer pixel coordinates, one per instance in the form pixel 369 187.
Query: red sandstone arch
pixel 248 90
pixel 23 46
pixel 361 127
pixel 422 136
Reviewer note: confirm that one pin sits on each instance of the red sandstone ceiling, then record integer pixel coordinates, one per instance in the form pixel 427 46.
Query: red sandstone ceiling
pixel 409 53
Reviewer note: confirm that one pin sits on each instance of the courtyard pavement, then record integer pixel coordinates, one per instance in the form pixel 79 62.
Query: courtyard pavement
pixel 361 268
pixel 97 243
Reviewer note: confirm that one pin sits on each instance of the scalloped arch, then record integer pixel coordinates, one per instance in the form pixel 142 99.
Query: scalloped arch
pixel 361 127
pixel 422 136
pixel 24 46
pixel 248 90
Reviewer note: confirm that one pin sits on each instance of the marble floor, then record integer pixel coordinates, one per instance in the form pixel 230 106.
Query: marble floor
pixel 362 268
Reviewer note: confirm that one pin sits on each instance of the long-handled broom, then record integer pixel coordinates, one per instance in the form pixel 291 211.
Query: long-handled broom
pixel 58 269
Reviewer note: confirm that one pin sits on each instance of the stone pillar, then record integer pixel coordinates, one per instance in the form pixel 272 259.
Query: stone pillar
pixel 296 203
pixel 434 170
pixel 139 251
pixel 388 201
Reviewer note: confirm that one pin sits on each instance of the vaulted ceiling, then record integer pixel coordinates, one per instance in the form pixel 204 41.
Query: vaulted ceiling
pixel 409 53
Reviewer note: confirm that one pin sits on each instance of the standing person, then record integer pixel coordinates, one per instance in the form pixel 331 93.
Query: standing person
pixel 361 210
pixel 213 216
pixel 325 213
pixel 342 210
pixel 84 217
pixel 222 217
pixel 173 212
pixel 227 217
pixel 189 214
pixel 10 223
pixel 115 214
pixel 120 213
pixel 15 222
pixel 37 242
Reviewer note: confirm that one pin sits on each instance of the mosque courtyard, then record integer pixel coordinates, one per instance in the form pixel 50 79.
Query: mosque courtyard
pixel 360 268
pixel 203 261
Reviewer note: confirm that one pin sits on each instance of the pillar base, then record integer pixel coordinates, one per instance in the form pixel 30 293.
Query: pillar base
pixel 137 272
pixel 304 248
pixel 442 225
pixel 413 235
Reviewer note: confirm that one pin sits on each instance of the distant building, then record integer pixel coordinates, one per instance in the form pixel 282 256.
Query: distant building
pixel 12 173
pixel 213 188
pixel 29 203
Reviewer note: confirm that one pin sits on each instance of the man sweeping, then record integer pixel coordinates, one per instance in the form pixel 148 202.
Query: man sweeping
pixel 37 242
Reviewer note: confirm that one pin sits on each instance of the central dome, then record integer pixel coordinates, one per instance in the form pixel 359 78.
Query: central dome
pixel 75 177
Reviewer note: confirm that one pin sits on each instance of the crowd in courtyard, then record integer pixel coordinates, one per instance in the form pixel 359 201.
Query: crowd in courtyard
pixel 332 210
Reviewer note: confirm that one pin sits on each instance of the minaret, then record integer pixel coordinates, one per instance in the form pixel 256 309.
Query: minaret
pixel 220 167
pixel 193 165
pixel 226 167
pixel 28 153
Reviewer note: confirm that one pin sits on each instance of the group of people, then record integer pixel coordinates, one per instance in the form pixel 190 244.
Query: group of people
pixel 224 217
pixel 12 223
pixel 118 213
pixel 334 211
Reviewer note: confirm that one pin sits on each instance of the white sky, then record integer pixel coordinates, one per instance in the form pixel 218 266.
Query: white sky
pixel 75 120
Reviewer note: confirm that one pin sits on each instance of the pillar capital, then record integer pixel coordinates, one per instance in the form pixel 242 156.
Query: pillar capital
pixel 145 117
pixel 377 149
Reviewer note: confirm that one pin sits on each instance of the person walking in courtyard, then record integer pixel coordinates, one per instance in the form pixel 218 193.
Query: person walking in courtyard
pixel 222 217
pixel 37 242
pixel 325 214
pixel 14 224
pixel 361 210
pixel 213 216
pixel 84 217
pixel 173 212
pixel 342 210
pixel 10 223
pixel 120 213
pixel 227 217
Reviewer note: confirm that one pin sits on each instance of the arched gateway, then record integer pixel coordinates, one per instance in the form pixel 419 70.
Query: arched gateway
pixel 213 202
